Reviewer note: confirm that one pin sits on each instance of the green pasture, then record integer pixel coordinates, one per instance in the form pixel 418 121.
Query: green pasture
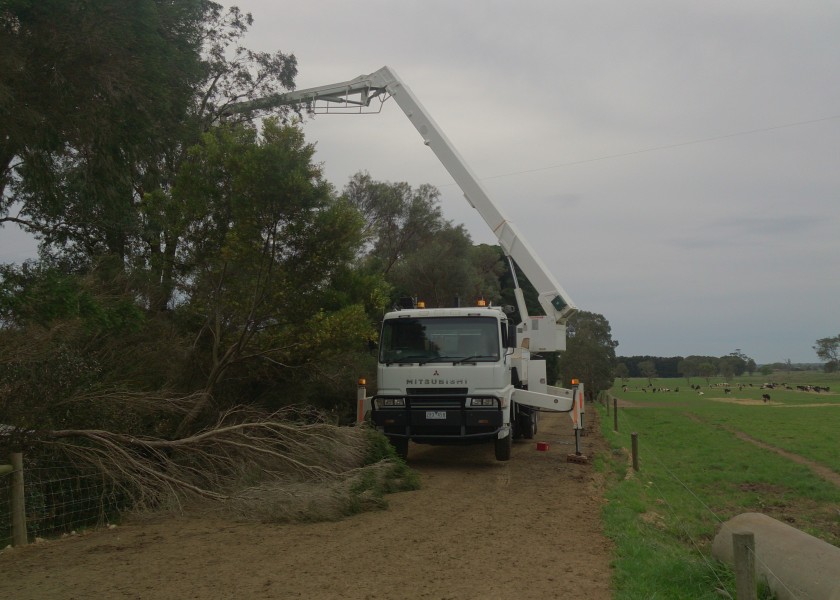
pixel 696 472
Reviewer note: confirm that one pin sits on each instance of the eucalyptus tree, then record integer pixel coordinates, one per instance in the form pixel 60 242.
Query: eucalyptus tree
pixel 418 251
pixel 590 352
pixel 90 91
pixel 398 220
pixel 648 369
pixel 101 101
pixel 266 247
pixel 828 350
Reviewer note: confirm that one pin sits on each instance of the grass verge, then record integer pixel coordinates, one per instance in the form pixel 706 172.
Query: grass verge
pixel 695 473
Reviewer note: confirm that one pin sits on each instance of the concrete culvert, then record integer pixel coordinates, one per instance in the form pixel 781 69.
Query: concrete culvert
pixel 795 565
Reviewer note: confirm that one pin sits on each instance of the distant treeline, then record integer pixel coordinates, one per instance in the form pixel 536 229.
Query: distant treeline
pixel 665 366
pixel 736 364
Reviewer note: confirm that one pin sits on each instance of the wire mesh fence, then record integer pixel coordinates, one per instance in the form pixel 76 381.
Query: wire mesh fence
pixel 59 498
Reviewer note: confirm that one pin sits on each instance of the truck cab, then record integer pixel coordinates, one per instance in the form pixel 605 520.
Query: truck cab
pixel 444 376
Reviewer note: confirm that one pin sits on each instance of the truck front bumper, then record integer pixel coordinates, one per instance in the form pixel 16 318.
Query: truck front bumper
pixel 425 421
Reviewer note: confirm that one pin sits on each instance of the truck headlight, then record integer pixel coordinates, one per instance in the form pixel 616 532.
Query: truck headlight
pixel 389 402
pixel 491 402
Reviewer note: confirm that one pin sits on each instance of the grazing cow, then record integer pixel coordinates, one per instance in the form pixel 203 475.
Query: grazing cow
pixel 727 391
pixel 765 397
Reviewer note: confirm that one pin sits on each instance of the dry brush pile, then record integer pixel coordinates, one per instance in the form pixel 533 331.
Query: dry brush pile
pixel 273 468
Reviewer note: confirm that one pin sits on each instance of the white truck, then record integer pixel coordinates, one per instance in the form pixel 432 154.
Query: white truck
pixel 463 374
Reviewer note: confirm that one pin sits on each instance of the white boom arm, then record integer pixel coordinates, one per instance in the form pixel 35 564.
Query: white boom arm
pixel 359 92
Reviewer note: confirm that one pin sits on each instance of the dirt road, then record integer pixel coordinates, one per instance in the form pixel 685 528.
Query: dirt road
pixel 527 528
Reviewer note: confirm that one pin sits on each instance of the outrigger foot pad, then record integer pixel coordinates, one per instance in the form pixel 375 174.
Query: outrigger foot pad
pixel 580 459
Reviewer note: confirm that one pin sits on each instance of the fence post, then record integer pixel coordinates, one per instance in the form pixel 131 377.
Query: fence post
pixel 634 444
pixel 743 550
pixel 615 414
pixel 17 503
pixel 607 402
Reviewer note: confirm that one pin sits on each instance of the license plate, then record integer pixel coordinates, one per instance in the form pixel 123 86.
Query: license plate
pixel 435 414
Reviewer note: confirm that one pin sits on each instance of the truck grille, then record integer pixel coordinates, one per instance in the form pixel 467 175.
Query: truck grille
pixel 439 398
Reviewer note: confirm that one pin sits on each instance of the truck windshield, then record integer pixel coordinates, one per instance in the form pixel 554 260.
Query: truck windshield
pixel 439 339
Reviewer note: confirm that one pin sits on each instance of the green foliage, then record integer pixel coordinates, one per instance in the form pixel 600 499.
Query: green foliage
pixel 828 350
pixel 104 98
pixel 590 352
pixel 92 90
pixel 268 270
pixel 648 370
pixel 41 295
pixel 532 303
pixel 621 371
pixel 397 219
pixel 400 477
pixel 734 364
pixel 439 271
pixel 420 253
pixel 74 352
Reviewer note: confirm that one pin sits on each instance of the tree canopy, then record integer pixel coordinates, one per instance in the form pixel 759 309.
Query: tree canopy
pixel 590 352
pixel 828 350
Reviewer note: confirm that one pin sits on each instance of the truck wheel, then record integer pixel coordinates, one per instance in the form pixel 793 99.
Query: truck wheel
pixel 400 446
pixel 503 447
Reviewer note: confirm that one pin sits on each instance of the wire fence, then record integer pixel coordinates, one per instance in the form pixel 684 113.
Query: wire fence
pixel 696 498
pixel 58 499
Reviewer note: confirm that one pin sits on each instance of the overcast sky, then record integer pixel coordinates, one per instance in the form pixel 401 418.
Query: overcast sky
pixel 675 164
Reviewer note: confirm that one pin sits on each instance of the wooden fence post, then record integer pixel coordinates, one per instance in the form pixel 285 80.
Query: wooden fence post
pixel 634 444
pixel 743 550
pixel 17 503
pixel 615 414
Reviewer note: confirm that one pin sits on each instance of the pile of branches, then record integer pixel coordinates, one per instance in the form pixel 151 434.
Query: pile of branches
pixel 283 466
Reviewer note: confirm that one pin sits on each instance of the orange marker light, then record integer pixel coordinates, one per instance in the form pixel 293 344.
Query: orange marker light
pixel 421 304
pixel 481 302
pixel 362 381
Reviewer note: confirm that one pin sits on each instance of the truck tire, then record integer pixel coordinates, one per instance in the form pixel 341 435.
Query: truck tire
pixel 400 447
pixel 503 447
